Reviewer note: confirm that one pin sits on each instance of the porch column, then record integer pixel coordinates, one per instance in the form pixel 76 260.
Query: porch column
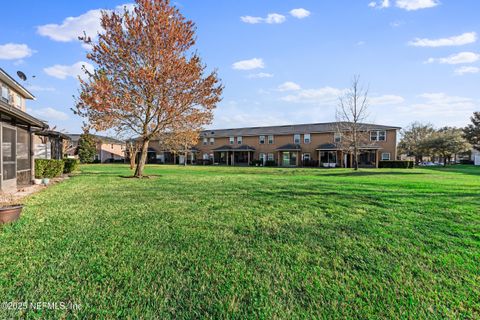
pixel 248 157
pixel 319 158
pixel 296 160
pixel 376 158
pixel 226 157
pixel 278 158
pixel 233 158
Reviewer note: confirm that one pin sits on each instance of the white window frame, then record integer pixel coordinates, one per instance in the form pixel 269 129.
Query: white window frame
pixel 305 140
pixel 270 157
pixel 375 135
pixel 5 92
pixel 231 140
pixel 309 156
pixel 205 141
pixel 297 138
pixel 385 158
pixel 239 140
pixel 272 140
pixel 261 139
pixel 212 141
pixel 337 137
pixel 262 157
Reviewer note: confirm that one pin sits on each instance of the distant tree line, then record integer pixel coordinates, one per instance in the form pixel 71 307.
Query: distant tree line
pixel 421 140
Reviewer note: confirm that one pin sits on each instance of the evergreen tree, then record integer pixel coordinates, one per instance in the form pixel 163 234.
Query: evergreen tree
pixel 87 148
pixel 472 131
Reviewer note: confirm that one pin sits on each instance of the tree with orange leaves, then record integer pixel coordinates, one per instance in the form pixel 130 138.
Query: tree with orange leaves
pixel 147 78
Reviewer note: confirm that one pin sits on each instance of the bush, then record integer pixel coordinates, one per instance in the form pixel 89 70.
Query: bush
pixel 401 164
pixel 257 163
pixel 70 165
pixel 270 163
pixel 48 168
pixel 467 162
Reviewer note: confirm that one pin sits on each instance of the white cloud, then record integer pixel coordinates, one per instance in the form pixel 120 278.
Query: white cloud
pixel 14 51
pixel 48 114
pixel 380 4
pixel 411 5
pixel 289 86
pixel 465 38
pixel 260 75
pixel 275 18
pixel 464 70
pixel 73 27
pixel 255 63
pixel 325 95
pixel 272 18
pixel 251 20
pixel 459 58
pixel 387 99
pixel 300 13
pixel 65 71
pixel 39 88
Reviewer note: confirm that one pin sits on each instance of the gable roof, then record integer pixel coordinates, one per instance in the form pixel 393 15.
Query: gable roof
pixel 286 129
pixel 76 136
pixel 5 77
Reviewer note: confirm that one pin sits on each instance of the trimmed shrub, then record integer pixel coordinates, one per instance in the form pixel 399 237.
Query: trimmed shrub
pixel 467 162
pixel 70 165
pixel 399 164
pixel 257 163
pixel 48 168
pixel 270 163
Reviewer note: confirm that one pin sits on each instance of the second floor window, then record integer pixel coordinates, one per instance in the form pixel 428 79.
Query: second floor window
pixel 377 135
pixel 306 138
pixel 212 140
pixel 5 93
pixel 296 138
pixel 270 139
pixel 337 137
pixel 205 141
pixel 231 140
pixel 239 140
pixel 261 140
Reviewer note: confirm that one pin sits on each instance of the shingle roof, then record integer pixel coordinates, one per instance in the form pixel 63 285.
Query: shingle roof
pixel 285 129
pixel 76 136
pixel 290 147
pixel 230 148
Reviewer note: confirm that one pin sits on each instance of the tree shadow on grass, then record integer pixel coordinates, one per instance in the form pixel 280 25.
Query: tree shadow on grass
pixel 370 173
pixel 462 169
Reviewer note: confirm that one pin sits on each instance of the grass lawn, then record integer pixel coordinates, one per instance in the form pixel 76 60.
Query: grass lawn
pixel 221 242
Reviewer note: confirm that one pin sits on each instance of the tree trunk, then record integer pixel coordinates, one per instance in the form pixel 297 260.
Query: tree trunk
pixel 355 160
pixel 142 159
pixel 185 160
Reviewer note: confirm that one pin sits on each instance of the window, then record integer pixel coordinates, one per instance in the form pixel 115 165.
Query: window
pixel 296 138
pixel 261 140
pixel 212 140
pixel 111 146
pixel 377 135
pixel 231 140
pixel 306 157
pixel 205 156
pixel 337 137
pixel 5 93
pixel 271 157
pixel 386 156
pixel 205 141
pixel 270 139
pixel 18 101
pixel 239 140
pixel 262 158
pixel 306 138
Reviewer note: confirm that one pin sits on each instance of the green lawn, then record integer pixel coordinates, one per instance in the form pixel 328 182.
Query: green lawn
pixel 221 242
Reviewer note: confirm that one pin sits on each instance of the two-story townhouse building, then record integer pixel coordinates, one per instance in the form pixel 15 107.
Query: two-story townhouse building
pixel 17 129
pixel 108 149
pixel 316 144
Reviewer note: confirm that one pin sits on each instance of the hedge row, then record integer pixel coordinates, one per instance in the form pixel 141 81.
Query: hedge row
pixel 402 164
pixel 48 168
pixel 70 165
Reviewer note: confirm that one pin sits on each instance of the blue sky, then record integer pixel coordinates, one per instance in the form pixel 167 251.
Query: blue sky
pixel 419 58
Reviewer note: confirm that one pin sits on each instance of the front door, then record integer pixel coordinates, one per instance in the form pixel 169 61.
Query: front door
pixel 286 159
pixel 9 157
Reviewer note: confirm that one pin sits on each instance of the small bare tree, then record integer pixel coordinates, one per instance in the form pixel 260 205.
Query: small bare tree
pixel 351 113
pixel 181 139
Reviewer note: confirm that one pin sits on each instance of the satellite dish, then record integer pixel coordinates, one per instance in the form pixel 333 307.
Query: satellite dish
pixel 22 75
